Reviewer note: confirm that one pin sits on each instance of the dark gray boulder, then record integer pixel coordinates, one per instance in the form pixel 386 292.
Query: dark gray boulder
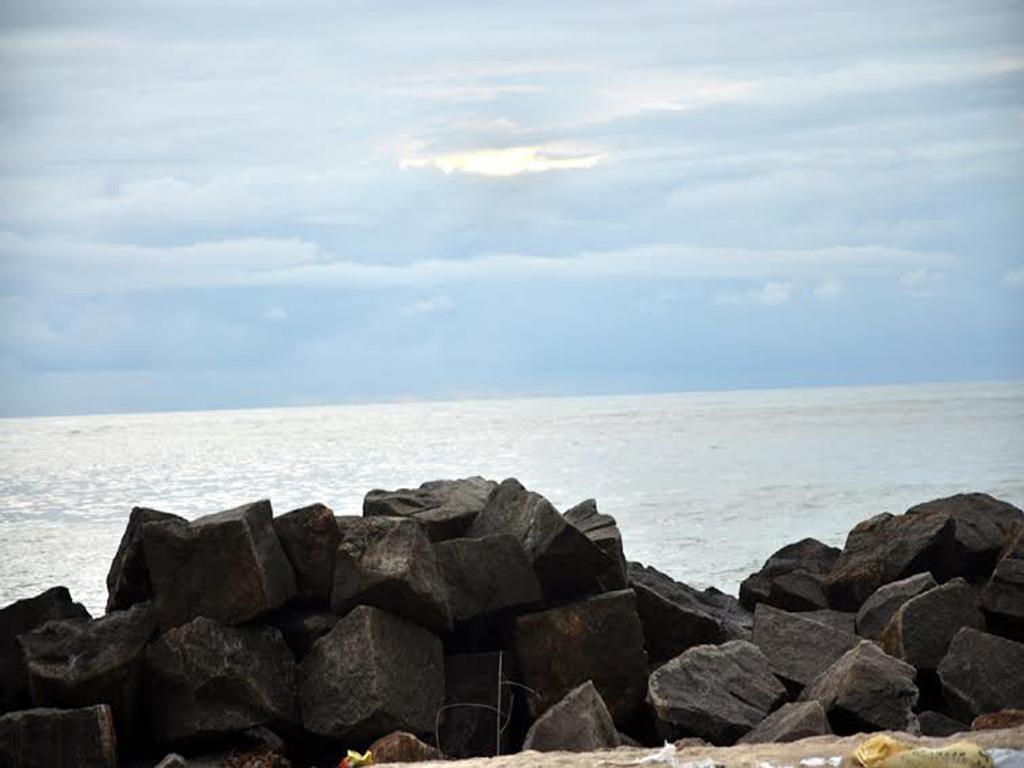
pixel 876 613
pixel 841 621
pixel 798 649
pixel 937 724
pixel 445 508
pixel 580 722
pixel 567 563
pixel 478 703
pixel 128 578
pixel 1003 597
pixel 74 663
pixel 790 722
pixel 792 578
pixel 676 616
pixel 301 627
pixel 228 567
pixel 982 673
pixel 718 693
pixel 18 618
pixel 487 575
pixel 866 690
pixel 309 537
pixel 389 563
pixel 205 680
pixel 604 532
pixel 373 673
pixel 58 738
pixel 921 630
pixel 598 639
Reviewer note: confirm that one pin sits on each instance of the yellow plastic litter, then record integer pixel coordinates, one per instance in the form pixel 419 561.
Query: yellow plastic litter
pixel 886 752
pixel 353 759
pixel 872 752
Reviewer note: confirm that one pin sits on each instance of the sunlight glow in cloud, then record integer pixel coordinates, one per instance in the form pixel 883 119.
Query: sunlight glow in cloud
pixel 505 162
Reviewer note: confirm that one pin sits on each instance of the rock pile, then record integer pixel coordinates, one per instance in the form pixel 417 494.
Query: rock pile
pixel 471 618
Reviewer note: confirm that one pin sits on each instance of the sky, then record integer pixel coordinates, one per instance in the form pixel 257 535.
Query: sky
pixel 240 204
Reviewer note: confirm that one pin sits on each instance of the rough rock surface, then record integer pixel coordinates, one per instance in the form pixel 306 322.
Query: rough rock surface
pixel 446 508
pixel 1003 598
pixel 478 701
pixel 389 563
pixel 604 532
pixel 204 679
pixel 1004 718
pixel 58 738
pixel 866 690
pixel 561 648
pixel 921 630
pixel 982 673
pixel 876 613
pixel 792 578
pixel 798 649
pixel 18 618
pixel 373 673
pixel 402 747
pixel 937 724
pixel 676 616
pixel 796 720
pixel 309 537
pixel 841 621
pixel 301 628
pixel 718 693
pixel 128 578
pixel 487 575
pixel 228 567
pixel 580 722
pixel 567 563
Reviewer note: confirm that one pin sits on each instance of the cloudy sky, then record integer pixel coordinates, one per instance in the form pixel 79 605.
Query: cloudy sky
pixel 228 204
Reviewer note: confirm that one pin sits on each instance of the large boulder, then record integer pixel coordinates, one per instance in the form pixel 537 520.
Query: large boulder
pixel 74 663
pixel 228 567
pixel 373 673
pixel 718 693
pixel 205 680
pixel 580 722
pixel 18 618
pixel 921 630
pixel 389 563
pixel 598 639
pixel 876 613
pixel 957 536
pixel 1003 598
pixel 128 578
pixel 478 704
pixel 487 575
pixel 445 508
pixel 604 532
pixel 843 621
pixel 309 537
pixel 676 616
pixel 790 722
pixel 58 738
pixel 982 673
pixel 792 578
pixel 567 563
pixel 866 690
pixel 798 649
pixel 301 628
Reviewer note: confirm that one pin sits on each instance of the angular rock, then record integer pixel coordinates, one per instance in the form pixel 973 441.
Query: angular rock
pixel 402 747
pixel 389 563
pixel 792 578
pixel 866 690
pixel 487 575
pixel 876 613
pixel 921 630
pixel 58 738
pixel 1003 598
pixel 309 537
pixel 228 567
pixel 982 673
pixel 604 532
pixel 937 724
pixel 205 680
pixel 567 563
pixel 580 722
pixel 1004 718
pixel 957 536
pixel 18 618
pixel 791 722
pixel 798 649
pixel 478 702
pixel 676 616
pixel 372 674
pixel 446 508
pixel 75 663
pixel 128 578
pixel 718 693
pixel 598 639
pixel 841 621
pixel 301 628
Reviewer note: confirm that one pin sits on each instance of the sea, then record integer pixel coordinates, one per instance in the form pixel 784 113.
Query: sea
pixel 704 485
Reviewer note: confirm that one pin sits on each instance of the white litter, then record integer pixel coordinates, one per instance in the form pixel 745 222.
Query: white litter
pixel 1006 758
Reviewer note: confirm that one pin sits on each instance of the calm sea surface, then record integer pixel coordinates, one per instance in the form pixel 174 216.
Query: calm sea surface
pixel 704 485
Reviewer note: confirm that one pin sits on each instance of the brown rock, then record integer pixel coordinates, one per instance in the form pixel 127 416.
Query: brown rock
pixel 402 747
pixel 309 537
pixel 1004 718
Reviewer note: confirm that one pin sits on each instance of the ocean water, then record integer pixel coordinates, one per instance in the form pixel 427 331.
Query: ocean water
pixel 704 485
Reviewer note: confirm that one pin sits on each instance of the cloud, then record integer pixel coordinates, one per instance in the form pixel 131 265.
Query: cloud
pixel 1014 278
pixel 428 306
pixel 771 294
pixel 829 290
pixel 923 283
pixel 505 162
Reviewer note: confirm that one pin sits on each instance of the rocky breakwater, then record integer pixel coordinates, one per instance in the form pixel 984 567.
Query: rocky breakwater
pixel 469 618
